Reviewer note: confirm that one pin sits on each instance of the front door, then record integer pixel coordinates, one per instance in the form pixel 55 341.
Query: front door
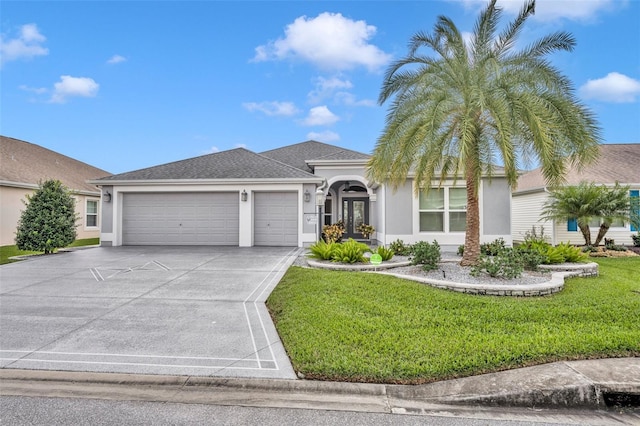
pixel 355 212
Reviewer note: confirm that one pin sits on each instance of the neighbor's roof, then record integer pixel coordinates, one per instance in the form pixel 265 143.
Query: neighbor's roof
pixel 299 154
pixel 239 163
pixel 616 163
pixel 26 163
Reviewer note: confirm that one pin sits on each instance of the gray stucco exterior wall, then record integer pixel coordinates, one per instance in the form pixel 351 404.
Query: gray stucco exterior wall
pixel 107 212
pixel 399 216
pixel 309 224
pixel 330 173
pixel 496 207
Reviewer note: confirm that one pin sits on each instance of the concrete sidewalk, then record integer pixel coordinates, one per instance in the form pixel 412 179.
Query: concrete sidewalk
pixel 592 384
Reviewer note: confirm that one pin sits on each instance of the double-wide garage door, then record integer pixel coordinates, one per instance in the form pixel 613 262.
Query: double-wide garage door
pixel 181 219
pixel 207 218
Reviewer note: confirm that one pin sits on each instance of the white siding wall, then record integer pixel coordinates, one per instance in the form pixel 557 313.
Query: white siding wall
pixel 621 236
pixel 526 210
pixel 526 213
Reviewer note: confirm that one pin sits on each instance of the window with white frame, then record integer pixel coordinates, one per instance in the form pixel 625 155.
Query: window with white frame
pixel 91 213
pixel 443 209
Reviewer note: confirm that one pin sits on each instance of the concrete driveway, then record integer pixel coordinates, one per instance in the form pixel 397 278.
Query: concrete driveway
pixel 149 310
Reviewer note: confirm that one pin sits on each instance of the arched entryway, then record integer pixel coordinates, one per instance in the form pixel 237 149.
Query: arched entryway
pixel 348 201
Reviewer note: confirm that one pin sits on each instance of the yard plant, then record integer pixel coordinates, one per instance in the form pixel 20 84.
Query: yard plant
pixel 462 105
pixel 587 201
pixel 49 219
pixel 366 327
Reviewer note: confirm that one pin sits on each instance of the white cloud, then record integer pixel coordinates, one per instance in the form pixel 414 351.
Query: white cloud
pixel 326 87
pixel 320 116
pixel 116 59
pixel 69 87
pixel 326 136
pixel 550 10
pixel 615 87
pixel 36 90
pixel 349 99
pixel 329 41
pixel 241 145
pixel 273 108
pixel 27 45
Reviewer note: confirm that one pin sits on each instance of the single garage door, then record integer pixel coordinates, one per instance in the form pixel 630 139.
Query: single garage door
pixel 180 219
pixel 275 219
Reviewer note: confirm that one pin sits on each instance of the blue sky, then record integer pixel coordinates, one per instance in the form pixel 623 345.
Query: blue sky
pixel 126 85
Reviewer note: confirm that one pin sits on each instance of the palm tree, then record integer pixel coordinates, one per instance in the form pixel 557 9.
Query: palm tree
pixel 581 202
pixel 459 110
pixel 615 204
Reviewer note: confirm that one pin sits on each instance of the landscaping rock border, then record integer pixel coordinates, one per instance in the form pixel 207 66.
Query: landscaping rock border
pixel 554 285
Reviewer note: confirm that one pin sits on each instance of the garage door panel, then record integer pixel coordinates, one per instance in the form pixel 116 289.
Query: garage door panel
pixel 276 219
pixel 181 219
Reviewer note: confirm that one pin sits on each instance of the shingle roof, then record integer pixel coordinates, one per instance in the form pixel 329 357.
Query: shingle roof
pixel 298 154
pixel 23 162
pixel 236 163
pixel 616 163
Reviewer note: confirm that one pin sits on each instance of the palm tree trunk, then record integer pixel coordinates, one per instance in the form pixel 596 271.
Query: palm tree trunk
pixel 586 233
pixel 604 227
pixel 472 234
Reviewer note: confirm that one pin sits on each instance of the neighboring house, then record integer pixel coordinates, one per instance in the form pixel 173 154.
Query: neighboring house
pixel 23 166
pixel 616 163
pixel 242 198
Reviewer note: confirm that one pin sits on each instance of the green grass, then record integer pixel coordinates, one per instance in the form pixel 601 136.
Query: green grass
pixel 351 326
pixel 9 251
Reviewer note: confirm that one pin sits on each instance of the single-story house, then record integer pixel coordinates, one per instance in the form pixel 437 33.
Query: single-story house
pixel 616 163
pixel 282 197
pixel 23 166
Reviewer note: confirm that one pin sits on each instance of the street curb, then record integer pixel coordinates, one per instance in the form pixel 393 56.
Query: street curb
pixel 568 384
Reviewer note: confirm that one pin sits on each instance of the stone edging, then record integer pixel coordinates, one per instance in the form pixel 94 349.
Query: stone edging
pixel 550 287
pixel 582 269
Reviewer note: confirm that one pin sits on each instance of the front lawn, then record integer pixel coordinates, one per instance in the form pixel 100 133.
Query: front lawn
pixel 351 326
pixel 9 251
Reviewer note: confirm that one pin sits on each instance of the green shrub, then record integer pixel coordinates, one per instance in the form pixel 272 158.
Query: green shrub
pixel 461 250
pixel 531 259
pixel 427 255
pixel 610 244
pixel 538 250
pixel 385 253
pixel 322 250
pixel 554 256
pixel 400 248
pixel 571 254
pixel 350 252
pixel 636 239
pixel 49 219
pixel 506 264
pixel 493 248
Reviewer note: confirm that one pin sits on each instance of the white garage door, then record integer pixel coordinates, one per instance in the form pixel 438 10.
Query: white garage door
pixel 180 219
pixel 275 219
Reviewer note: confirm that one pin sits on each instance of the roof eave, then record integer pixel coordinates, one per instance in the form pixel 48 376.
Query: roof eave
pixel 360 162
pixel 34 186
pixel 252 181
